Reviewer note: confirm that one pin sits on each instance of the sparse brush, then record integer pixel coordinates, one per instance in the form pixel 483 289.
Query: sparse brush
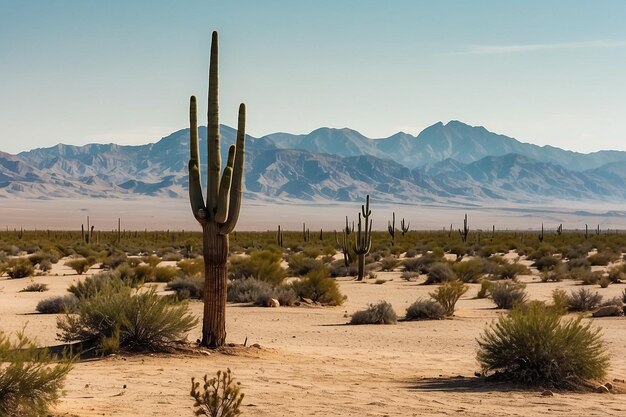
pixel 507 294
pixel 616 274
pixel 35 287
pixel 248 290
pixel 91 285
pixel 151 260
pixel 439 272
pixel 165 273
pixel 145 321
pixel 191 267
pixel 425 310
pixel 30 379
pixel 587 277
pixel 300 264
pixel 546 263
pixel 534 346
pixel 485 287
pixel 583 300
pixel 510 271
pixel 560 300
pixel 218 397
pixel 58 304
pixel 379 313
pixel 263 265
pixel 19 268
pixel 318 286
pixel 600 258
pixel 410 276
pixel 448 294
pixel 604 282
pixel 187 287
pixel 80 265
pixel 469 271
pixel 389 263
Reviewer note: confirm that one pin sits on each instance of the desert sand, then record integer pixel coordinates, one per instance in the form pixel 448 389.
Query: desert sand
pixel 310 363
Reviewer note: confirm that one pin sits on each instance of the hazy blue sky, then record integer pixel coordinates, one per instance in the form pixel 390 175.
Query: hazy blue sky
pixel 545 72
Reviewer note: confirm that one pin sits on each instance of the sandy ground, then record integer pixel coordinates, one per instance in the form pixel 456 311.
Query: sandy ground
pixel 175 214
pixel 312 364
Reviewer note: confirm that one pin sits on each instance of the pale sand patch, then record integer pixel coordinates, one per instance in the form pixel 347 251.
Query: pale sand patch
pixel 311 363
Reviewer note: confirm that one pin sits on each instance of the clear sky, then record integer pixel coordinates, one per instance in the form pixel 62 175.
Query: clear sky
pixel 545 72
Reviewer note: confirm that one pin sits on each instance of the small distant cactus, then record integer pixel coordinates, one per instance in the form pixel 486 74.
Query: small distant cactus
pixel 541 234
pixel 363 238
pixel 220 396
pixel 404 227
pixel 465 232
pixel 391 228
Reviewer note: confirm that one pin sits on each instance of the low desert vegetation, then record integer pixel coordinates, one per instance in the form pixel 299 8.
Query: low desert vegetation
pixel 35 287
pixel 378 313
pixel 507 294
pixel 319 287
pixel 534 346
pixel 30 379
pixel 425 310
pixel 448 294
pixel 219 396
pixel 58 304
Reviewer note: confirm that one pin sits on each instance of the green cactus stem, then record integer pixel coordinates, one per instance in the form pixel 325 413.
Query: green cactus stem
pixel 363 238
pixel 465 232
pixel 219 211
pixel 404 227
pixel 541 236
pixel 391 228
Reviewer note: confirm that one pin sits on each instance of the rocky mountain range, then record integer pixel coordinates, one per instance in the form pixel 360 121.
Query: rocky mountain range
pixel 443 162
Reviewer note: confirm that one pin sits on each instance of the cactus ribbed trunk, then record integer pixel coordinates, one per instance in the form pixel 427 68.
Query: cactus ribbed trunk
pixel 361 267
pixel 215 251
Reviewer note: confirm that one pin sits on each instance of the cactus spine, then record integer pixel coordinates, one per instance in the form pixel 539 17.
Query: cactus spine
pixel 219 213
pixel 363 238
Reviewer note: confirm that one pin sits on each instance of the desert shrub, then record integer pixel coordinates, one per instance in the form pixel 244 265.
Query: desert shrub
pixel 263 265
pixel 616 274
pixel 191 267
pixel 510 271
pixel 187 287
pixel 30 379
pixel 624 296
pixel 379 313
pixel 80 265
pixel 604 281
pixel 219 396
pixel 411 253
pixel 91 285
pixel 469 271
pixel 485 287
pixel 389 263
pixel 165 273
pixel 338 269
pixel 35 287
pixel 319 287
pixel 560 300
pixel 285 295
pixel 248 290
pixel 410 276
pixel 57 304
pixel 547 262
pixel 19 268
pixel 425 310
pixel 40 256
pixel 151 260
pixel 600 259
pixel 583 300
pixel 45 265
pixel 300 264
pixel 114 260
pixel 448 294
pixel 587 277
pixel 142 321
pixel 421 264
pixel 506 294
pixel 534 346
pixel 578 263
pixel 132 275
pixel 439 272
pixel 143 273
pixel 171 256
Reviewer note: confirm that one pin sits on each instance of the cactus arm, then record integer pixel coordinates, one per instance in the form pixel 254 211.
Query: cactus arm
pixel 237 177
pixel 213 132
pixel 225 184
pixel 365 209
pixel 195 186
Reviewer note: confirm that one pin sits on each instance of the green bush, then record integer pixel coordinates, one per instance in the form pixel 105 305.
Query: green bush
pixel 583 300
pixel 35 287
pixel 425 310
pixel 421 264
pixel 80 265
pixel 389 263
pixel 91 285
pixel 533 346
pixel 379 313
pixel 600 259
pixel 219 396
pixel 510 271
pixel 57 304
pixel 151 260
pixel 191 267
pixel 263 265
pixel 318 287
pixel 439 272
pixel 248 290
pixel 469 271
pixel 546 263
pixel 300 264
pixel 187 287
pixel 485 287
pixel 19 268
pixel 448 294
pixel 141 321
pixel 507 294
pixel 30 379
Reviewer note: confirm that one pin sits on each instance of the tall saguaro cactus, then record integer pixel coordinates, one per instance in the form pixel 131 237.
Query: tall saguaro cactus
pixel 363 238
pixel 217 214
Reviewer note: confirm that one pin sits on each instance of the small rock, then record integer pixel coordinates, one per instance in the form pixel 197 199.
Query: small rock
pixel 602 390
pixel 618 380
pixel 256 345
pixel 609 386
pixel 547 393
pixel 608 311
pixel 274 303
